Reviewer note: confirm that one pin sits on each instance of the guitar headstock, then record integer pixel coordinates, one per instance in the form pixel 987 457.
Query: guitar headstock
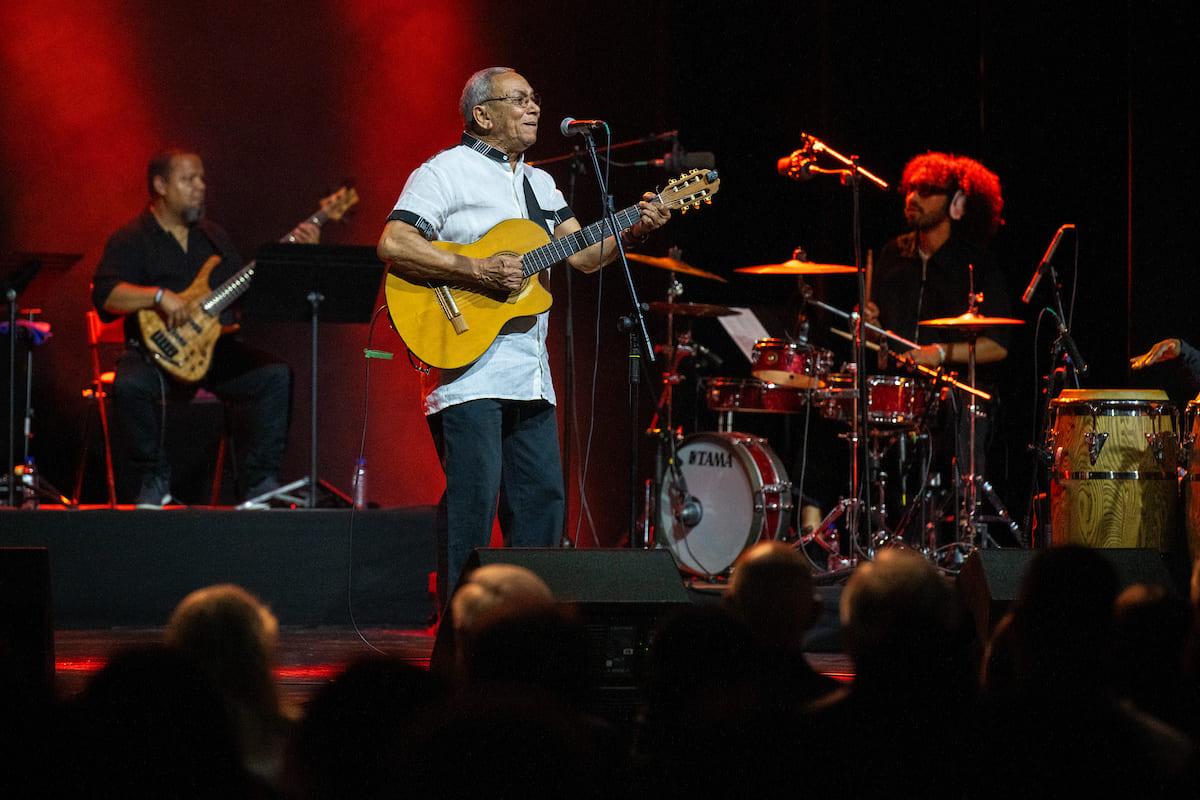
pixel 691 189
pixel 338 203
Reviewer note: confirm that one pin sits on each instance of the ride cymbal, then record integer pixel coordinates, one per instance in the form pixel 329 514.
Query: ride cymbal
pixel 970 321
pixel 795 267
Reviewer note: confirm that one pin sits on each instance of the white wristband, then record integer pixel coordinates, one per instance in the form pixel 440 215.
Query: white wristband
pixel 941 354
pixel 158 296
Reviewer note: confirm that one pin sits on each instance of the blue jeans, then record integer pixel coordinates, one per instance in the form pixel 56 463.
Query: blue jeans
pixel 501 461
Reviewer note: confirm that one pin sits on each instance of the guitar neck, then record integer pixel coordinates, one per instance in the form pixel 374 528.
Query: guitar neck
pixel 237 285
pixel 558 250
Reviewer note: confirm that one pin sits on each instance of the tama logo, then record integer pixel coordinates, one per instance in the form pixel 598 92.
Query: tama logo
pixel 710 458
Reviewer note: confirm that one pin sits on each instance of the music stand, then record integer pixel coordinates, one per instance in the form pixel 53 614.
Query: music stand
pixel 18 271
pixel 321 283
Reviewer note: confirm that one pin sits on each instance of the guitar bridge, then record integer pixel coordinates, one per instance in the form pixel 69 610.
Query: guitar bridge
pixel 450 309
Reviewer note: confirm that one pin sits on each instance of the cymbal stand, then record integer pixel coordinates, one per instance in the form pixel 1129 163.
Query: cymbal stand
pixel 851 174
pixel 970 523
pixel 677 352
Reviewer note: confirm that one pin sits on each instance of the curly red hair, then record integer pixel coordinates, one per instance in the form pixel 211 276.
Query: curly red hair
pixel 984 203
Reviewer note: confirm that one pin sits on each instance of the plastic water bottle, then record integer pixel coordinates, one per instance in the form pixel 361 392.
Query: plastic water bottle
pixel 358 486
pixel 29 484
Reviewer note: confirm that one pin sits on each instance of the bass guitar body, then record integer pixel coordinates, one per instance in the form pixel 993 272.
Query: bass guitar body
pixel 184 352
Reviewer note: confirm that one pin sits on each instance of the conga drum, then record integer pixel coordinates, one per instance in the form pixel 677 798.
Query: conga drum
pixel 1115 469
pixel 1191 482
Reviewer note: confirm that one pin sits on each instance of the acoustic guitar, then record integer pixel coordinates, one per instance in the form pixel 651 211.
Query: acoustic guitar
pixel 449 326
pixel 185 352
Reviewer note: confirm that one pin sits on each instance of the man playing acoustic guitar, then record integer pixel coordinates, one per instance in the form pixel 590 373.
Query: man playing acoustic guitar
pixel 147 265
pixel 492 419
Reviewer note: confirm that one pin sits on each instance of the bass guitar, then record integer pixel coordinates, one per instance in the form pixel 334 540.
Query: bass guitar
pixel 185 352
pixel 449 326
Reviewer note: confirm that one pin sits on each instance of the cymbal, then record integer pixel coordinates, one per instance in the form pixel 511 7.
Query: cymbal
pixel 674 265
pixel 794 267
pixel 970 321
pixel 691 309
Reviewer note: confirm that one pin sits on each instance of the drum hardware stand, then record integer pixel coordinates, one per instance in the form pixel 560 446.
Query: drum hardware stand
pixel 17 272
pixel 668 436
pixel 971 524
pixel 33 487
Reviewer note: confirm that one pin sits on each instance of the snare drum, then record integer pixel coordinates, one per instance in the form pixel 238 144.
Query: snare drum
pixel 751 394
pixel 892 400
pixel 785 363
pixel 1115 469
pixel 734 491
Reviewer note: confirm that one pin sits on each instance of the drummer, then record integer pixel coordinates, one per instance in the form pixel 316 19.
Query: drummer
pixel 952 207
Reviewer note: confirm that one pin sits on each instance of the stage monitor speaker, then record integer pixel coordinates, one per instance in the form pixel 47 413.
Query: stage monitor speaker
pixel 990 579
pixel 621 596
pixel 26 622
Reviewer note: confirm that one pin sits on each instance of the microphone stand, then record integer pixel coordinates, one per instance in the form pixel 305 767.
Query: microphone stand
pixel 851 175
pixel 569 370
pixel 639 343
pixel 1067 366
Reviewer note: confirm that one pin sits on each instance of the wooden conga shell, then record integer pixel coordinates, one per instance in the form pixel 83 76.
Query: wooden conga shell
pixel 1191 483
pixel 1130 495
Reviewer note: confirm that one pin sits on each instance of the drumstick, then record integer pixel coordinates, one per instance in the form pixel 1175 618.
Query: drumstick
pixel 870 274
pixel 932 373
pixel 870 345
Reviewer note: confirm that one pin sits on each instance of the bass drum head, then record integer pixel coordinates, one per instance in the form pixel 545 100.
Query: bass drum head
pixel 737 488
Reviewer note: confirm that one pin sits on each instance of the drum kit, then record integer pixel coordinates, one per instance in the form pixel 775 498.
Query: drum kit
pixel 716 493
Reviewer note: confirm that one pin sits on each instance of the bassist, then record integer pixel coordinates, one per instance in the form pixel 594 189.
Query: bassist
pixel 146 265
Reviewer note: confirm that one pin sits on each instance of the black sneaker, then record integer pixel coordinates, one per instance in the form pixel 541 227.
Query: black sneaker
pixel 154 493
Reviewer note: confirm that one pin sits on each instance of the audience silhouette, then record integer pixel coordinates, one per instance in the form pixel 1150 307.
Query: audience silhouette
pixel 1084 690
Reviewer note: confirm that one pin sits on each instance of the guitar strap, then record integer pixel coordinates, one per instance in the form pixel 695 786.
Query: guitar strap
pixel 535 212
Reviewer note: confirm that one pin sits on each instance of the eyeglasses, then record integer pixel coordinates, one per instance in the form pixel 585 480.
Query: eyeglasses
pixel 924 189
pixel 521 100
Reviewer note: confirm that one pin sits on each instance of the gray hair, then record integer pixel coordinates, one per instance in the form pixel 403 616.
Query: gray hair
pixel 478 89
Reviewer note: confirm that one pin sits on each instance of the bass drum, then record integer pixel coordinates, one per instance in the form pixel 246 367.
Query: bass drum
pixel 731 490
pixel 1115 470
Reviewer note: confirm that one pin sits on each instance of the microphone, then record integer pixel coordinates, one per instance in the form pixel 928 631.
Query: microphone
pixel 797 166
pixel 690 512
pixel 679 160
pixel 1044 263
pixel 571 126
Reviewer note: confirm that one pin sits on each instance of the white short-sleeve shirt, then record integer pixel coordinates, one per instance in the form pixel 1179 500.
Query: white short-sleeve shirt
pixel 458 196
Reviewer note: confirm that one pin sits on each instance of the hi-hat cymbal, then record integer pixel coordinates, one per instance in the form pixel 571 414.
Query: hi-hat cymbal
pixel 795 267
pixel 675 265
pixel 691 309
pixel 970 321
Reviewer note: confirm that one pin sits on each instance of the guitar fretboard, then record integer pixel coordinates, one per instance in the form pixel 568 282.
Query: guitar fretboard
pixel 550 254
